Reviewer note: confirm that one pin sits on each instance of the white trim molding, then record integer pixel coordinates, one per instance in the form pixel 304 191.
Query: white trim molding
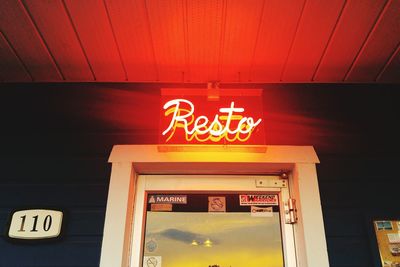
pixel 128 161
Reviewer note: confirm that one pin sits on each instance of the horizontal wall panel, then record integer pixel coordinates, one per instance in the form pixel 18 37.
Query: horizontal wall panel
pixel 5 217
pixel 69 252
pixel 20 31
pixel 53 195
pixel 344 222
pixel 351 169
pixel 54 170
pixel 341 195
pixel 356 21
pixel 349 252
pixel 84 145
pixel 55 26
pixel 85 222
pixel 380 46
pixel 371 193
pixel 90 18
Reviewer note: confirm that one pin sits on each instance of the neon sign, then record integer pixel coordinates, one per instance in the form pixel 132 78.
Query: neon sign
pixel 228 126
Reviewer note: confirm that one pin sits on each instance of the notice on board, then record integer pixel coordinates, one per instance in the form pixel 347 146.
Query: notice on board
pixel 388 238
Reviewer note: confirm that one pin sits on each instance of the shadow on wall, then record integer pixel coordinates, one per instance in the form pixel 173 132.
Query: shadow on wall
pixel 332 118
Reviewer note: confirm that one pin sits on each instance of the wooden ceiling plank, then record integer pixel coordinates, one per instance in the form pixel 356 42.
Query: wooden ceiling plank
pixel 11 67
pixel 167 28
pixel 379 46
pixel 257 40
pixel 204 29
pixel 132 32
pixel 186 76
pixel 27 42
pixel 356 22
pixel 92 24
pixel 44 42
pixel 55 27
pixel 222 39
pixel 330 40
pixel 240 38
pixel 79 40
pixel 316 26
pixel 391 71
pixel 115 40
pixel 278 27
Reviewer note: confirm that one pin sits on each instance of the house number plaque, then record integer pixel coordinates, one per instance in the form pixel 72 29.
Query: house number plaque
pixel 35 224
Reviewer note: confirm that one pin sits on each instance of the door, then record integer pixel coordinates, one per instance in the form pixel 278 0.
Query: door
pixel 211 221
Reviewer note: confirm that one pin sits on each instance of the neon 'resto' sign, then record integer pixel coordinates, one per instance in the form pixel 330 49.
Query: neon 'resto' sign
pixel 230 125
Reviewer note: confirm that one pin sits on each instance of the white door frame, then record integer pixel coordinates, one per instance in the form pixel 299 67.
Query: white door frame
pixel 128 161
pixel 206 183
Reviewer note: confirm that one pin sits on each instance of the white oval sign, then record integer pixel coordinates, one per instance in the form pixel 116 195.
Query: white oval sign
pixel 35 224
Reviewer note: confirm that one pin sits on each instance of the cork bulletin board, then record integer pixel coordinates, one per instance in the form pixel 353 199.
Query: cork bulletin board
pixel 388 238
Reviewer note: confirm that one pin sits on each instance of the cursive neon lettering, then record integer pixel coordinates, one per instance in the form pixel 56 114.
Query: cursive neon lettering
pixel 230 125
pixel 175 117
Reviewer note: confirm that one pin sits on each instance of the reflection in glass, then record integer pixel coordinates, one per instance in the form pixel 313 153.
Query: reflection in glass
pixel 203 239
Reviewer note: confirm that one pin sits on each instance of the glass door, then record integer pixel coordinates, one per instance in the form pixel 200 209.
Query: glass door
pixel 209 221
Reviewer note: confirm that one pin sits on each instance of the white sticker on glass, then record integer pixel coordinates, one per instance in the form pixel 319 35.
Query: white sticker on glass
pixel 152 261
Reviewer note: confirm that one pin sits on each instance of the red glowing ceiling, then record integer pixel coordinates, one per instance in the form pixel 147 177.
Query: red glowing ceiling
pixel 200 40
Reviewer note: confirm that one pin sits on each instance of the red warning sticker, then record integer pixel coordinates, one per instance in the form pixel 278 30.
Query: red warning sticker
pixel 260 200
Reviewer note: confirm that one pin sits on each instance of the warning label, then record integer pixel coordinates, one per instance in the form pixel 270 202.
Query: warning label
pixel 260 200
pixel 262 211
pixel 216 204
pixel 167 199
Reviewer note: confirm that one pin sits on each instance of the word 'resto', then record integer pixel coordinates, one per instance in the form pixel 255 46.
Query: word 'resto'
pixel 229 125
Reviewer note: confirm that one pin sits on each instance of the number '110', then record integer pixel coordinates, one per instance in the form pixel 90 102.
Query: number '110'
pixel 46 224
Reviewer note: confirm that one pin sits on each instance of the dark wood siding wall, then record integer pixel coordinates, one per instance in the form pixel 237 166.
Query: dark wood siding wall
pixel 355 191
pixel 55 140
pixel 77 185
